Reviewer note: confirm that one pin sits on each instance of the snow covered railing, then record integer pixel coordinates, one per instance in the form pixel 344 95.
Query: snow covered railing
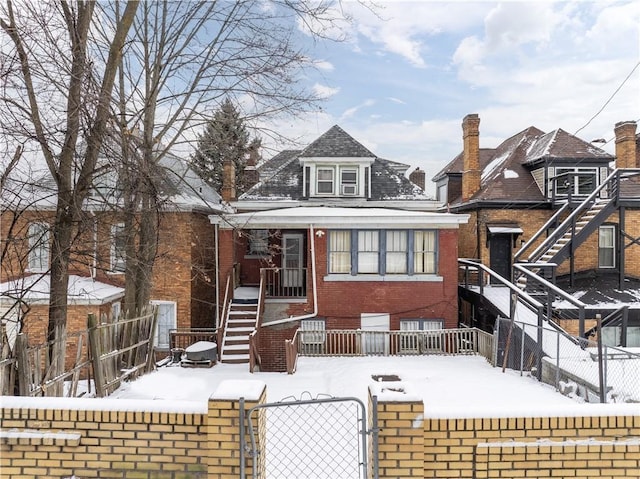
pixel 358 342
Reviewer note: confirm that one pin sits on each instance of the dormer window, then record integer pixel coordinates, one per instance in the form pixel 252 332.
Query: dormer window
pixel 336 177
pixel 325 181
pixel 349 181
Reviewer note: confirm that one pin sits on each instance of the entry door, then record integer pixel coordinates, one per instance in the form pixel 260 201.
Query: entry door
pixel 500 255
pixel 292 260
pixel 374 336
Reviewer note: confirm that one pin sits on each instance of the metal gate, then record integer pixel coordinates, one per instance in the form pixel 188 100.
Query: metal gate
pixel 308 438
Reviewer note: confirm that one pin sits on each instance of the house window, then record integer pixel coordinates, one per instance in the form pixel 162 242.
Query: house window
pixel 118 248
pixel 396 252
pixel 340 251
pixel 349 181
pixel 166 322
pixel 424 252
pixel 38 247
pixel 575 181
pixel 258 242
pixel 368 251
pixel 116 308
pixel 607 246
pixel 383 252
pixel 324 181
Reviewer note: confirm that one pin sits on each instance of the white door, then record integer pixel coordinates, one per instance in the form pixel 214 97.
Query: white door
pixel 374 336
pixel 292 260
pixel 166 322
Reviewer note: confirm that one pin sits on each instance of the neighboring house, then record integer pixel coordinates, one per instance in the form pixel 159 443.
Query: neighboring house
pixel 184 275
pixel 336 238
pixel 556 201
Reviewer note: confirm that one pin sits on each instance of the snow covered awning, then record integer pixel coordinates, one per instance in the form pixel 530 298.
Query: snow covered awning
pixel 505 229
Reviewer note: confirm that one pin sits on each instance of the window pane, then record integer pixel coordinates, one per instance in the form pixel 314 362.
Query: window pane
pixel 424 252
pixel 258 241
pixel 396 252
pixel 606 247
pixel 340 251
pixel 38 247
pixel 118 248
pixel 368 251
pixel 349 177
pixel 324 180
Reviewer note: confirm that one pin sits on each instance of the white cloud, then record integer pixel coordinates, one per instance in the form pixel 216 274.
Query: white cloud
pixel 349 112
pixel 324 65
pixel 324 91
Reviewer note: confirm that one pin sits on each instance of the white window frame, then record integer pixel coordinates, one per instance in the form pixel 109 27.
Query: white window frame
pixel 118 255
pixel 161 338
pixel 368 248
pixel 611 247
pixel 574 189
pixel 323 181
pixel 346 185
pixel 336 256
pixel 39 247
pixel 396 259
pixel 258 243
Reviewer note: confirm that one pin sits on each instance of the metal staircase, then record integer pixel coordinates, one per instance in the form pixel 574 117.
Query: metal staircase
pixel 569 233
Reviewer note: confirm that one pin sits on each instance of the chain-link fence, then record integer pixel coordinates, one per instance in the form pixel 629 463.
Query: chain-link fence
pixel 575 366
pixel 307 438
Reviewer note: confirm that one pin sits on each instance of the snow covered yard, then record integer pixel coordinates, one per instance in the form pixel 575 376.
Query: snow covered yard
pixel 447 384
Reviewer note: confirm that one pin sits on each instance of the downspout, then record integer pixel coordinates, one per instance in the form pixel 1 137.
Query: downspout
pixel 217 243
pixel 313 282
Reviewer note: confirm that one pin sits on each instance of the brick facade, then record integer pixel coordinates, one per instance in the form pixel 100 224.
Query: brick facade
pixel 184 271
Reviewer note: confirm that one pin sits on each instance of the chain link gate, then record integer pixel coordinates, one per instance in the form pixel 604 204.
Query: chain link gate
pixel 308 438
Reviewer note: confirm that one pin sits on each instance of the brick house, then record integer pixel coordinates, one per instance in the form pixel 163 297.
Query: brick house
pixel 554 200
pixel 184 275
pixel 333 237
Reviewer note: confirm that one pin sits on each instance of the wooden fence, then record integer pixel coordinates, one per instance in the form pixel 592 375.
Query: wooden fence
pixel 100 356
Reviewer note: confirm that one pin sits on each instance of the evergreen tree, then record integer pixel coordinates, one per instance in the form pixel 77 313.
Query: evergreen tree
pixel 225 137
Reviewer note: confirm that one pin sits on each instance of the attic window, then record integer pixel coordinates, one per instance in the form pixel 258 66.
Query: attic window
pixel 325 181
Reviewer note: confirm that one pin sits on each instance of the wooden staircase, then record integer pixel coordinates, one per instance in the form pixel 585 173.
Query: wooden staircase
pixel 240 321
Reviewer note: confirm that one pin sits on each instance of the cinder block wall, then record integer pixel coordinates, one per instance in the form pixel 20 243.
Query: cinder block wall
pixel 55 437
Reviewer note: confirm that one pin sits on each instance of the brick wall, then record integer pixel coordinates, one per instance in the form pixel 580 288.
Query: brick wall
pixel 559 460
pixel 45 437
pixel 454 447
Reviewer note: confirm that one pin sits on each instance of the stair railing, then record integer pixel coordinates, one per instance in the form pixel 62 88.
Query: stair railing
pixel 550 292
pixel 222 327
pixel 575 214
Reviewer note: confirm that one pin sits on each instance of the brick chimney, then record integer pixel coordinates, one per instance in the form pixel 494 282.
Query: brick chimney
pixel 471 156
pixel 417 177
pixel 228 181
pixel 626 144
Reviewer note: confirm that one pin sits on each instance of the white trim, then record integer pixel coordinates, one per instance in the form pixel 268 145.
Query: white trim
pixel 389 278
pixel 505 229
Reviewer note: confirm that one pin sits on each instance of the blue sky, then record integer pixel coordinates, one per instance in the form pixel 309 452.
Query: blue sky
pixel 406 76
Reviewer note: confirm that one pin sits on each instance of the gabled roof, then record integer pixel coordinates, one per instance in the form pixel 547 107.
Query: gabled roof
pixel 336 143
pixel 281 177
pixel 506 170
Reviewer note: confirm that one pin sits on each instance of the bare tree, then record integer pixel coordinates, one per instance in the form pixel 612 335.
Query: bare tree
pixel 49 101
pixel 184 60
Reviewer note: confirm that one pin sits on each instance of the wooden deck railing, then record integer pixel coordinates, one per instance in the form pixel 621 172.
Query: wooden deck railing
pixel 182 338
pixel 286 282
pixel 387 343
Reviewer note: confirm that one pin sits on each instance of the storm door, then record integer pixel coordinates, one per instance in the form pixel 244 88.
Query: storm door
pixel 292 260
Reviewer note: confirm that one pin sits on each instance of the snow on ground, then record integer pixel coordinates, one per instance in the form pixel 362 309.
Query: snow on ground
pixel 460 386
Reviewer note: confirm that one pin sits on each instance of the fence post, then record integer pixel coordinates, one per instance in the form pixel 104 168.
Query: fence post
pixel 603 395
pixel 150 345
pixel 95 351
pixel 23 364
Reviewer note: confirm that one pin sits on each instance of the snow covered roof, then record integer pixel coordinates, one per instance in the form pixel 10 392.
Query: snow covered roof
pixel 506 170
pixel 340 217
pixel 82 290
pixel 281 177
